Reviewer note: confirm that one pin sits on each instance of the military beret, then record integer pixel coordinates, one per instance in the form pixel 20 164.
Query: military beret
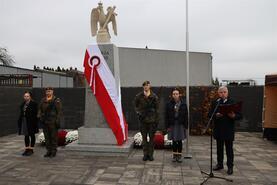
pixel 49 88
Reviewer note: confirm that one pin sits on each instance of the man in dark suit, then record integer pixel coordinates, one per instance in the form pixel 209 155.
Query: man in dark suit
pixel 224 130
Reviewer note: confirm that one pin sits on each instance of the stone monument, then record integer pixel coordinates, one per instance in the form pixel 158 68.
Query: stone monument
pixel 95 129
pixel 96 136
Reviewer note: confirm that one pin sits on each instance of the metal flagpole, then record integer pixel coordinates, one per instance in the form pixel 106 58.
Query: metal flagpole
pixel 187 154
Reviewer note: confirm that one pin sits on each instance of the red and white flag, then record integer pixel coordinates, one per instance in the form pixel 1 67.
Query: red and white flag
pixel 108 95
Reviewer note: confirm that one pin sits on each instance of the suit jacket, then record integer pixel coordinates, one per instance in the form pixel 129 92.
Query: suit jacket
pixel 224 127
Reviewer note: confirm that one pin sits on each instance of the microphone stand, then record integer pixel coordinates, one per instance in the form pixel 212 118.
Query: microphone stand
pixel 211 174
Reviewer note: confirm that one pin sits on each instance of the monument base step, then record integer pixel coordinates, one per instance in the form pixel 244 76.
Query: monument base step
pixel 101 149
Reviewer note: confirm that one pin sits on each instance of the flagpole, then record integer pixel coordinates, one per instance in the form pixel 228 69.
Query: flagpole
pixel 187 154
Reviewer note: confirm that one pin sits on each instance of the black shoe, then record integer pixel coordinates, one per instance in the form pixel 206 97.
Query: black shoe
pixel 29 152
pixel 150 158
pixel 48 154
pixel 218 167
pixel 145 158
pixel 25 152
pixel 230 171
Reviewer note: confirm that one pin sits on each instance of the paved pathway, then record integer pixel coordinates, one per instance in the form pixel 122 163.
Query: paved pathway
pixel 255 163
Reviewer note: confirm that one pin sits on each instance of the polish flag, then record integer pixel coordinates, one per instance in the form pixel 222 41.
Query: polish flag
pixel 107 93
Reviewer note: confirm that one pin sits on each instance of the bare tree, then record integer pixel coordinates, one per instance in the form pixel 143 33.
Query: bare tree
pixel 5 58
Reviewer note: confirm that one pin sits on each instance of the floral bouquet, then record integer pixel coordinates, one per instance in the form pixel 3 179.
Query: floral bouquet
pixel 71 136
pixel 161 141
pixel 167 142
pixel 41 138
pixel 64 137
pixel 138 140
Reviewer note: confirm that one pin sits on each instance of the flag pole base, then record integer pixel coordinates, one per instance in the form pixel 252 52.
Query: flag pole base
pixel 188 156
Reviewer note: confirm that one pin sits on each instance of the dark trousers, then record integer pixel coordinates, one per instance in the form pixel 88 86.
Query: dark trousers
pixel 229 152
pixel 148 129
pixel 51 137
pixel 27 140
pixel 177 146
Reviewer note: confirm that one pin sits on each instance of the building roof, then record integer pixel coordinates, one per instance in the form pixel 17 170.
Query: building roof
pixel 165 50
pixel 271 79
pixel 37 70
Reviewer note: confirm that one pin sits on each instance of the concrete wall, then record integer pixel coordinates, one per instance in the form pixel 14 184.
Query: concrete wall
pixel 163 67
pixel 50 80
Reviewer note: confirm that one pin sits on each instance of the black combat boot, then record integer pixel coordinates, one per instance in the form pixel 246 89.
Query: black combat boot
pixel 230 171
pixel 48 154
pixel 29 152
pixel 150 158
pixel 53 154
pixel 145 158
pixel 25 152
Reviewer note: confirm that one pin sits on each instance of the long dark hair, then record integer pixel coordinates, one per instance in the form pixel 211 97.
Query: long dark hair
pixel 175 89
pixel 180 90
pixel 30 93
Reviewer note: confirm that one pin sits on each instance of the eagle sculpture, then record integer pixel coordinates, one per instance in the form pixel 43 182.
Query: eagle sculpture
pixel 100 21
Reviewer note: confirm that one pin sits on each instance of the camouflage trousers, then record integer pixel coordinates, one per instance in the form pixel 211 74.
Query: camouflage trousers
pixel 50 132
pixel 148 129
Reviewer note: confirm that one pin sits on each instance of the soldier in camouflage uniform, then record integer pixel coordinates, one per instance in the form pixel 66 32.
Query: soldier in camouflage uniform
pixel 49 114
pixel 146 107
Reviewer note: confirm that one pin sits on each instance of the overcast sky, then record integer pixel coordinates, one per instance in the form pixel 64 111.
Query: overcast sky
pixel 240 34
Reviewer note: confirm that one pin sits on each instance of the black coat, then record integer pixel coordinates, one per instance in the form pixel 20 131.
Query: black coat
pixel 170 114
pixel 224 127
pixel 31 117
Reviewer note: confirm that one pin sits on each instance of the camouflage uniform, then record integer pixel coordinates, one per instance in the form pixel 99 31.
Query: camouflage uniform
pixel 147 111
pixel 49 113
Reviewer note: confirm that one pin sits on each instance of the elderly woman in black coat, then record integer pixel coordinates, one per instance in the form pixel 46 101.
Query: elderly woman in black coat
pixel 176 123
pixel 28 123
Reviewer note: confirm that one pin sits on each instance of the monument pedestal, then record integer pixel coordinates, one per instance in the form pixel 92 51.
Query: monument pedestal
pixel 103 36
pixel 96 137
pixel 101 149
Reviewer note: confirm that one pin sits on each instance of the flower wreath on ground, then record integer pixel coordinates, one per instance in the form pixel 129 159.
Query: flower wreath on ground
pixel 64 137
pixel 160 140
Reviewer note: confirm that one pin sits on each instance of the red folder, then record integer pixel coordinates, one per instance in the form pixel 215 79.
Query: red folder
pixel 227 108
